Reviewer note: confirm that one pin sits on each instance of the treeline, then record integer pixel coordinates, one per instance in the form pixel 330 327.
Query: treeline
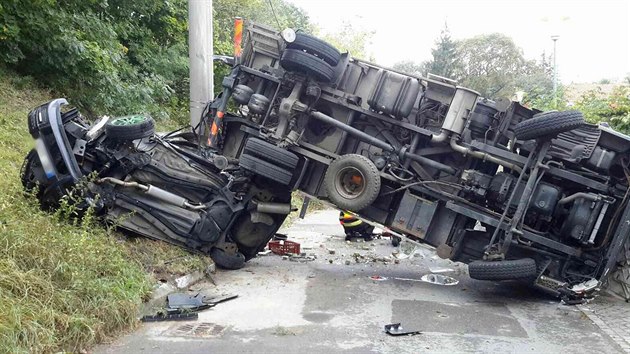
pixel 120 56
pixel 491 64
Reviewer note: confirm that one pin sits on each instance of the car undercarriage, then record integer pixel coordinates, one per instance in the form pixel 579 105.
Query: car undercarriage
pixel 515 193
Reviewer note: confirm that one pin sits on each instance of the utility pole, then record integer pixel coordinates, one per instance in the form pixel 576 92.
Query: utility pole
pixel 555 38
pixel 200 57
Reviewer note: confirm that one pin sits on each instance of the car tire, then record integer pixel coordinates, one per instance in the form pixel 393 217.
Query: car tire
pixel 130 127
pixel 519 269
pixel 270 153
pixel 265 169
pixel 548 125
pixel 352 182
pixel 32 173
pixel 316 46
pixel 299 61
pixel 227 261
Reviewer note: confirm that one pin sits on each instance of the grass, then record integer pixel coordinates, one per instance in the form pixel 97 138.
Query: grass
pixel 63 287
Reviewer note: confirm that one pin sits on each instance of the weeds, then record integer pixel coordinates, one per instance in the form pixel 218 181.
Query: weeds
pixel 63 285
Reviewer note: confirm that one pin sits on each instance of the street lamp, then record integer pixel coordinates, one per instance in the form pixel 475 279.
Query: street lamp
pixel 555 38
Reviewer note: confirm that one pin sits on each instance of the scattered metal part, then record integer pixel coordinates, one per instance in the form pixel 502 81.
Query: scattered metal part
pixel 441 270
pixel 396 329
pixel 437 279
pixel 186 301
pixel 185 316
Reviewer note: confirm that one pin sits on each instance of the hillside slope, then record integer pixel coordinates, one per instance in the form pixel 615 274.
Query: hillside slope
pixel 62 286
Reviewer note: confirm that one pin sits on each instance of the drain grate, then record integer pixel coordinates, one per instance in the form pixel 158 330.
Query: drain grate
pixel 203 329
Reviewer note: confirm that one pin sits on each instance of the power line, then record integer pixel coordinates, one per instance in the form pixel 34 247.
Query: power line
pixel 274 14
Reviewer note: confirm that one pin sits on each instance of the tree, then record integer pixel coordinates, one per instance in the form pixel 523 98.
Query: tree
pixel 444 62
pixel 410 67
pixel 120 56
pixel 613 108
pixel 351 39
pixel 489 64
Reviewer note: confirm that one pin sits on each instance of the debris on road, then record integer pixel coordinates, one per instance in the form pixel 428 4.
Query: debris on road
pixel 441 270
pixel 283 247
pixel 264 253
pixel 161 316
pixel 396 329
pixel 184 307
pixel 378 278
pixel 437 279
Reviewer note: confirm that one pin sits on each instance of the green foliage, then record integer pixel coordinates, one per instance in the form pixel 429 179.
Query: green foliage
pixel 493 65
pixel 348 38
pixel 409 67
pixel 444 62
pixel 65 283
pixel 117 56
pixel 488 64
pixel 106 56
pixel 613 109
pixel 62 286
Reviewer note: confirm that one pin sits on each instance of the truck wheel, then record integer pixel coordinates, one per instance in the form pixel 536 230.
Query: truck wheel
pixel 130 127
pixel 270 153
pixel 503 270
pixel 548 124
pixel 226 261
pixel 265 169
pixel 297 60
pixel 316 46
pixel 352 182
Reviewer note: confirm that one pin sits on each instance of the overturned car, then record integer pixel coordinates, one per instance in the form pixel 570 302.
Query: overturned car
pixel 515 193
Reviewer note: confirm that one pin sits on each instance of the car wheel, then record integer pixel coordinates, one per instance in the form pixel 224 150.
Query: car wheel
pixel 297 60
pixel 352 182
pixel 227 261
pixel 130 127
pixel 32 173
pixel 548 125
pixel 519 269
pixel 316 46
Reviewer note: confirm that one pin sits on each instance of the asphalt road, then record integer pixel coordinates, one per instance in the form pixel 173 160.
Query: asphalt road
pixel 327 306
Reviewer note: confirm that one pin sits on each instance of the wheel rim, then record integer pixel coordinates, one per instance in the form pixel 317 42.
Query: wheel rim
pixel 350 182
pixel 129 120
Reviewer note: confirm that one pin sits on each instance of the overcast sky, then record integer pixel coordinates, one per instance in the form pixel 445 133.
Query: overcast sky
pixel 594 35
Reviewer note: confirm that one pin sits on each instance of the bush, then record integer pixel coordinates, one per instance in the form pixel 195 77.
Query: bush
pixel 613 109
pixel 62 286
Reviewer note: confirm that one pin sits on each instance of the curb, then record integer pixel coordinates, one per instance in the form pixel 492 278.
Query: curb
pixel 621 341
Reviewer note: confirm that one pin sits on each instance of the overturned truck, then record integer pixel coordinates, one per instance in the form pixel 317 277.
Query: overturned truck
pixel 515 193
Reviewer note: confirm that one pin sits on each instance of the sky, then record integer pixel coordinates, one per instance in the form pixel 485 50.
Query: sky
pixel 593 44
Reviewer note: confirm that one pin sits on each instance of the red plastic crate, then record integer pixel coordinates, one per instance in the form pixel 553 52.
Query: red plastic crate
pixel 283 247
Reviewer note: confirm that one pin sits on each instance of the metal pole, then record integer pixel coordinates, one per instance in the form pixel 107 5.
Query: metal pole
pixel 200 57
pixel 554 38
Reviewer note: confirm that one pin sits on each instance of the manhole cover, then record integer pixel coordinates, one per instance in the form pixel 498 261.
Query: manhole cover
pixel 203 329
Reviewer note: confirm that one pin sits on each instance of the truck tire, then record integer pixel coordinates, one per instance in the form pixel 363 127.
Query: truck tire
pixel 265 169
pixel 548 124
pixel 130 127
pixel 271 153
pixel 226 261
pixel 297 60
pixel 316 46
pixel 352 182
pixel 518 269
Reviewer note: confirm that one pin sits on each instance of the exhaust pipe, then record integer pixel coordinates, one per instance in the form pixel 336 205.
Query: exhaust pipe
pixel 155 192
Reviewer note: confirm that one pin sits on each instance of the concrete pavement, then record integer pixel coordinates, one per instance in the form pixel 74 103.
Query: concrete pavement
pixel 328 306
